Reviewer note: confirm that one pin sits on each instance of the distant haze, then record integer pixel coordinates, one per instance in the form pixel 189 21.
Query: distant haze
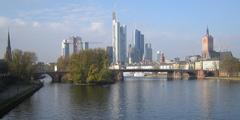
pixel 174 26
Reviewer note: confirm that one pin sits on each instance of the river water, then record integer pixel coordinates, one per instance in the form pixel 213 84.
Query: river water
pixel 134 99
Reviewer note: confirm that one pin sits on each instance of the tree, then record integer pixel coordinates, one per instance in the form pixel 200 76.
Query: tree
pixel 93 74
pixel 230 65
pixel 22 65
pixel 90 66
pixel 62 64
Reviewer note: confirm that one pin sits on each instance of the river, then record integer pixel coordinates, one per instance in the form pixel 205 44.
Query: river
pixel 133 99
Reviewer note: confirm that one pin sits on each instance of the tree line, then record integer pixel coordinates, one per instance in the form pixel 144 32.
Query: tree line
pixel 230 65
pixel 22 65
pixel 87 67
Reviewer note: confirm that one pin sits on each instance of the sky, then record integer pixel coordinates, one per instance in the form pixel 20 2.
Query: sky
pixel 174 27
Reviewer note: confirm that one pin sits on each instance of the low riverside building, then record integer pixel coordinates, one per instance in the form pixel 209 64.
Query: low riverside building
pixel 166 66
pixel 139 67
pixel 183 65
pixel 209 65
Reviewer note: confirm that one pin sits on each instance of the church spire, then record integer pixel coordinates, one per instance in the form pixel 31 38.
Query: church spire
pixel 8 49
pixel 9 43
pixel 207 31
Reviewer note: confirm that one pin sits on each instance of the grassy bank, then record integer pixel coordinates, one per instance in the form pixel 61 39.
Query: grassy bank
pixel 12 102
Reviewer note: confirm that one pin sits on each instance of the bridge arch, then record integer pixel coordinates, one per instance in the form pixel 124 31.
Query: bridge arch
pixel 56 76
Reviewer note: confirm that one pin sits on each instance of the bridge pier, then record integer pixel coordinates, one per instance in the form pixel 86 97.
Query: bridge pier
pixel 119 76
pixel 56 78
pixel 201 74
pixel 177 75
pixel 170 75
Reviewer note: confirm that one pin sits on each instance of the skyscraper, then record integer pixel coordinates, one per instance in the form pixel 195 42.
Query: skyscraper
pixel 77 44
pixel 65 49
pixel 119 39
pixel 207 46
pixel 85 45
pixel 109 50
pixel 8 54
pixel 138 45
pixel 158 56
pixel 137 39
pixel 142 46
pixel 132 58
pixel 123 44
pixel 148 53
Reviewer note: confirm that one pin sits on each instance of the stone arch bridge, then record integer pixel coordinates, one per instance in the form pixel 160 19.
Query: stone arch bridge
pixel 55 75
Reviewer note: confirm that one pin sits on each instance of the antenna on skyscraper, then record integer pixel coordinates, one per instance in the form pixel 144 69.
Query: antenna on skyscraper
pixel 114 6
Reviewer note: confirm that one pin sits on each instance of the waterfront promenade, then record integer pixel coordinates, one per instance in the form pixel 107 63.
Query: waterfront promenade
pixel 15 94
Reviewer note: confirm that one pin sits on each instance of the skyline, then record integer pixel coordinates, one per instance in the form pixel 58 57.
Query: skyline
pixel 171 27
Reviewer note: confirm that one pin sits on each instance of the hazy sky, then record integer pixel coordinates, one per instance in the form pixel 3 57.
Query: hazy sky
pixel 172 26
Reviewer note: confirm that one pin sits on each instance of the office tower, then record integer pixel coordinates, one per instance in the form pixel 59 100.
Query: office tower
pixel 85 45
pixel 207 46
pixel 65 49
pixel 131 54
pixel 8 54
pixel 137 39
pixel 109 51
pixel 77 43
pixel 148 53
pixel 138 45
pixel 123 44
pixel 119 39
pixel 158 56
pixel 142 46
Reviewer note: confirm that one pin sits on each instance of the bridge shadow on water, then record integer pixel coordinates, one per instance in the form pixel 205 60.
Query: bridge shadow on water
pixel 47 79
pixel 142 78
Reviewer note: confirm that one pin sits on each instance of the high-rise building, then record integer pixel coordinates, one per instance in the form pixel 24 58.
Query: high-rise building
pixel 138 45
pixel 65 49
pixel 109 50
pixel 8 54
pixel 85 45
pixel 148 53
pixel 77 43
pixel 119 40
pixel 137 38
pixel 207 46
pixel 142 46
pixel 129 54
pixel 158 56
pixel 132 55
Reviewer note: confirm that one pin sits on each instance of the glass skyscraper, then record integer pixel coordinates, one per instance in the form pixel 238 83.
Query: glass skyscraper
pixel 119 41
pixel 138 45
pixel 65 49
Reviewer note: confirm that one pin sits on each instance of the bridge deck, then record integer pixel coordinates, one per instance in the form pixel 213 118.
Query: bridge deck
pixel 153 70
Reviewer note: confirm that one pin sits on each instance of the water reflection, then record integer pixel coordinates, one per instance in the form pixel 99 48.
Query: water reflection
pixel 133 99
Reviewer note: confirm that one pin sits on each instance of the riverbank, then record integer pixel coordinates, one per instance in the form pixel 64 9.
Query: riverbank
pixel 223 78
pixel 15 95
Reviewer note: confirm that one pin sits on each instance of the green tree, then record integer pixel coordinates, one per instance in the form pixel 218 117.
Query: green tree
pixel 62 64
pixel 90 66
pixel 23 64
pixel 93 74
pixel 230 65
